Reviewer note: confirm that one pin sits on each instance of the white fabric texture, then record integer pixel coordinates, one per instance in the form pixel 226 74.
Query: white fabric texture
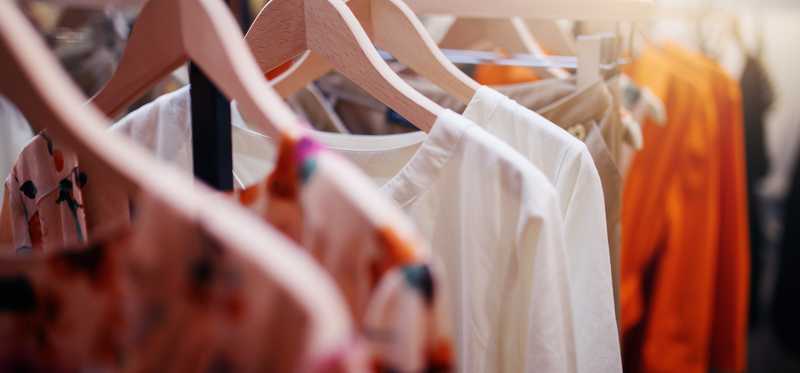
pixel 494 221
pixel 567 163
pixel 14 135
pixel 164 127
pixel 490 216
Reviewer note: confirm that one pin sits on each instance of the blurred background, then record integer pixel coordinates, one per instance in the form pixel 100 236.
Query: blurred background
pixel 756 41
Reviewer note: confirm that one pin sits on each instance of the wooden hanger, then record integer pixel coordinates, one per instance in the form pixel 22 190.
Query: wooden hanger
pixel 510 35
pixel 484 34
pixel 392 26
pixel 590 54
pixel 285 29
pixel 551 37
pixel 33 80
pixel 167 34
pixel 508 22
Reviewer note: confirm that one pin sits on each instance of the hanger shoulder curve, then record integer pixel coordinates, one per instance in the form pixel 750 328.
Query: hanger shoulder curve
pixel 154 49
pixel 398 30
pixel 205 32
pixel 480 33
pixel 308 68
pixel 336 34
pixel 213 41
pixel 281 38
pixel 510 35
pixel 551 37
pixel 393 27
pixel 332 31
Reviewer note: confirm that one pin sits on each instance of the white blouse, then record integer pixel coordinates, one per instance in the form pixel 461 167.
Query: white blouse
pixel 491 217
pixel 566 162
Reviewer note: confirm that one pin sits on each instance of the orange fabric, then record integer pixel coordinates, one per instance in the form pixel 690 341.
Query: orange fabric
pixel 729 348
pixel 729 330
pixel 500 75
pixel 671 226
pixel 282 68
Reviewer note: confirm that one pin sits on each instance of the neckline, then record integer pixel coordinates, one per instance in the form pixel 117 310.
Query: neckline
pixel 417 174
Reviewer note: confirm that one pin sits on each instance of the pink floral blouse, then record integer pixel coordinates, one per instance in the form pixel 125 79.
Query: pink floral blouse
pixel 43 200
pixel 380 265
pixel 166 294
pixel 159 298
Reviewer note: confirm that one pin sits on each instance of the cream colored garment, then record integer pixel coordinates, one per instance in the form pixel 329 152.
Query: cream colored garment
pixel 492 219
pixel 590 116
pixel 582 113
pixel 587 114
pixel 569 166
pixel 567 163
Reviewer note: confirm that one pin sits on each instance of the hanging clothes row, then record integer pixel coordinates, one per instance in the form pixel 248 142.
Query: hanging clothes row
pixel 401 216
pixel 108 297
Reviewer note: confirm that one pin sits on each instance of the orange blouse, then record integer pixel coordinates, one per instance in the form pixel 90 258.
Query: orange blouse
pixel 729 331
pixel 685 260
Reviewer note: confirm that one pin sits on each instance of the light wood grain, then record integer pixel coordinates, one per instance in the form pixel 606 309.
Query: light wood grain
pixel 154 49
pixel 393 27
pixel 168 33
pixel 277 41
pixel 399 31
pixel 589 51
pixel 551 37
pixel 509 35
pixel 305 70
pixel 32 79
pixel 331 30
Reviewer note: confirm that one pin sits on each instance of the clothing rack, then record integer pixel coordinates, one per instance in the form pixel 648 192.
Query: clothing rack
pixel 212 145
pixel 596 10
pixel 472 57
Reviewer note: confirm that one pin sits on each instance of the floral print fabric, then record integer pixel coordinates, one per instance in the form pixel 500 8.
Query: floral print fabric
pixel 383 271
pixel 377 262
pixel 175 297
pixel 159 298
pixel 43 198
